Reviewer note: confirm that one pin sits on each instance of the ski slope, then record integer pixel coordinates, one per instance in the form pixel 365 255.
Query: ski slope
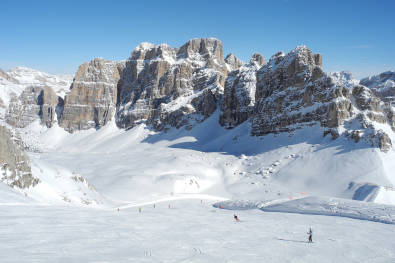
pixel 313 205
pixel 190 231
pixel 93 183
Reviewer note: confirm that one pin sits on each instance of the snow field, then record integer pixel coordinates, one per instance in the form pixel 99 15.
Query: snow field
pixel 187 232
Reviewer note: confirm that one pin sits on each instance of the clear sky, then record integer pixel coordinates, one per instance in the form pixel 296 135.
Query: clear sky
pixel 56 36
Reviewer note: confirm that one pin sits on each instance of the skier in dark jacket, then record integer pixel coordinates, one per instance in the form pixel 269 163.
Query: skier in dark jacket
pixel 236 218
pixel 310 233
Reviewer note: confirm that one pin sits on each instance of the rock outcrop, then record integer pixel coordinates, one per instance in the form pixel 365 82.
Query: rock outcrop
pixel 292 90
pixel 239 95
pixel 14 163
pixel 34 103
pixel 233 62
pixel 383 86
pixel 258 60
pixel 171 86
pixel 91 102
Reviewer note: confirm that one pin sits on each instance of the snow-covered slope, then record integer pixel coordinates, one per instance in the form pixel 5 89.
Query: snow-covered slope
pixel 31 77
pixel 7 91
pixel 140 165
pixel 313 205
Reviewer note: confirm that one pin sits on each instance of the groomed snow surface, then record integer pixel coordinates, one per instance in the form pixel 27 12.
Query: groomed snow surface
pixel 179 178
pixel 187 232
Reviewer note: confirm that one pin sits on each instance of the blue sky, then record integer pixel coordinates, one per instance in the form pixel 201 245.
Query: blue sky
pixel 57 36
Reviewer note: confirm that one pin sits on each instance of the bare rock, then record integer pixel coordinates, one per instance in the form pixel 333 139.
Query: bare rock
pixel 239 96
pixel 292 91
pixel 34 103
pixel 258 59
pixel 91 102
pixel 205 104
pixel 385 143
pixel 162 85
pixel 233 62
pixel 14 163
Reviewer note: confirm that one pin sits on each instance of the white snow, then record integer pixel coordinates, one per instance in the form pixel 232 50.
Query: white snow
pixel 314 205
pixel 190 231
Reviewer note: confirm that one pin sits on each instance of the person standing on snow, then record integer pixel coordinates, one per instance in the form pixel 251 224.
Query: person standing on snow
pixel 236 218
pixel 310 233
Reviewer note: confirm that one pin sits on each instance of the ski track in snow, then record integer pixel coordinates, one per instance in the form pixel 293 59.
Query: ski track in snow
pixel 325 206
pixel 190 231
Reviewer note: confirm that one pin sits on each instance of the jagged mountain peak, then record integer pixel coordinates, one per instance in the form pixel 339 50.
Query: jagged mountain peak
pixel 233 62
pixel 301 54
pixel 205 47
pixel 149 51
pixel 258 59
pixel 344 78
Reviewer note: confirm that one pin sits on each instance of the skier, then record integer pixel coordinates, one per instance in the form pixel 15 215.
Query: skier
pixel 310 233
pixel 236 218
pixel 139 209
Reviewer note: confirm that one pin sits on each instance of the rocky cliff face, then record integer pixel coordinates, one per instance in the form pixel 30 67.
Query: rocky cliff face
pixel 292 89
pixel 233 62
pixel 34 103
pixel 292 92
pixel 239 95
pixel 14 163
pixel 383 86
pixel 92 99
pixel 171 86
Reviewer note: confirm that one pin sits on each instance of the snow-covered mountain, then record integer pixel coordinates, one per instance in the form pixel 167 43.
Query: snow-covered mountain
pixel 197 100
pixel 169 125
pixel 31 77
pixel 383 85
pixel 14 81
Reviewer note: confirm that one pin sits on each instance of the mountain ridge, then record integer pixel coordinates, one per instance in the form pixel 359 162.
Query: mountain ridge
pixel 195 89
